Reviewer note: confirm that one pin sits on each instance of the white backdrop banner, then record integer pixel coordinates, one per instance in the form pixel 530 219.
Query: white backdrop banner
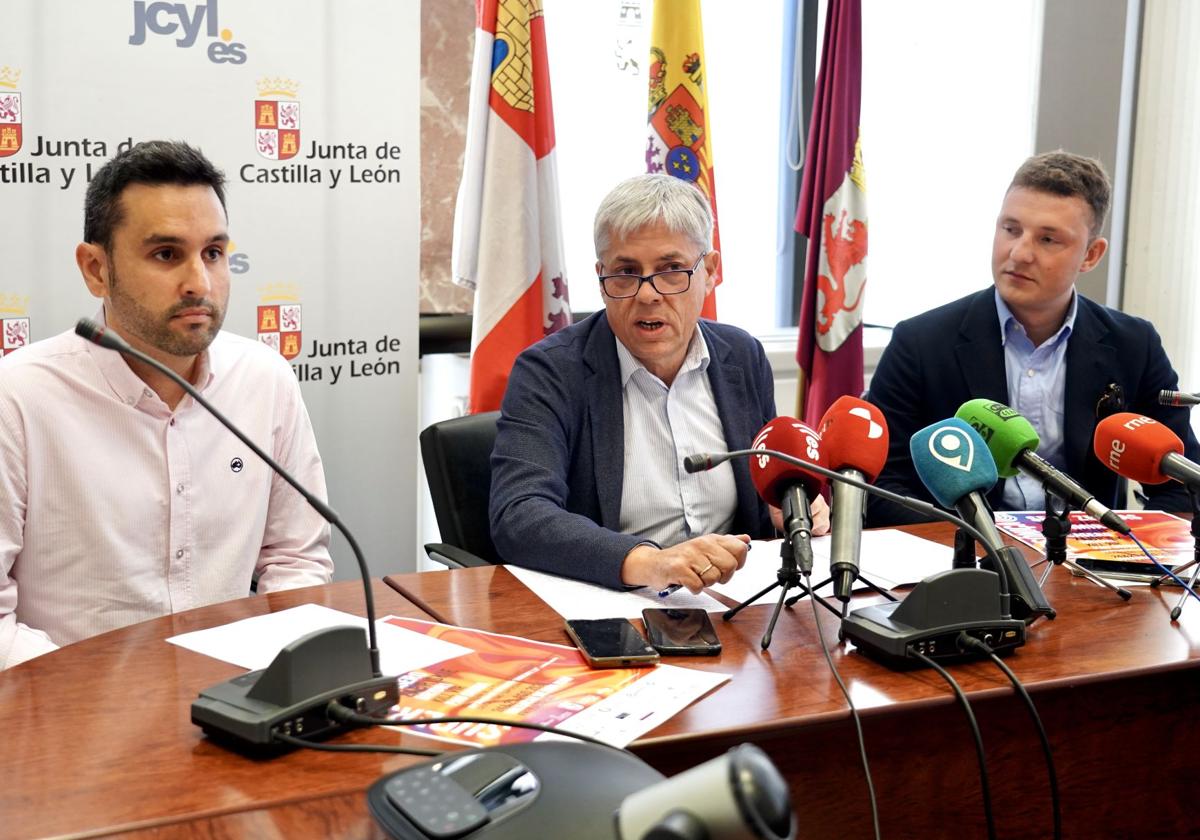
pixel 312 110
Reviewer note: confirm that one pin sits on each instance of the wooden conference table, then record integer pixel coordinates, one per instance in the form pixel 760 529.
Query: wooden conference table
pixel 96 737
pixel 1116 684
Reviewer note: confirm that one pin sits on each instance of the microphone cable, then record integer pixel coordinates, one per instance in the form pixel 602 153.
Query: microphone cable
pixel 343 714
pixel 969 641
pixel 293 741
pixel 966 705
pixel 696 463
pixel 862 747
pixel 1163 568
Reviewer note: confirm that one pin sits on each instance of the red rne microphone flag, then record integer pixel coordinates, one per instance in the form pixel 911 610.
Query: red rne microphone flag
pixel 507 230
pixel 832 213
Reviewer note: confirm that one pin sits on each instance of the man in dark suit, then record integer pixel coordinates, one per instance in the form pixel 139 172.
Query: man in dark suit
pixel 1032 343
pixel 587 476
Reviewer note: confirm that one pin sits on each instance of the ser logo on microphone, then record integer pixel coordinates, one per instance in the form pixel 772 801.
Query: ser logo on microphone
pixel 952 447
pixel 760 442
pixel 812 444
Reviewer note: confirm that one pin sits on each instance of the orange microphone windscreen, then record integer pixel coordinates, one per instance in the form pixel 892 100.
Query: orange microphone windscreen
pixel 1133 446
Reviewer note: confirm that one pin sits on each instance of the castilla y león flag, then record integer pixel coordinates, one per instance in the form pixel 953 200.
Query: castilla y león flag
pixel 507 234
pixel 832 213
pixel 679 143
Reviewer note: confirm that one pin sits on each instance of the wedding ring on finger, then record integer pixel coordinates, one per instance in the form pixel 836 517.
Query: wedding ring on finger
pixel 704 571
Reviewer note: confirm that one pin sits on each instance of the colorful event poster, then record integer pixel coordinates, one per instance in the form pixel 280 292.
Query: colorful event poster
pixel 523 680
pixel 1167 537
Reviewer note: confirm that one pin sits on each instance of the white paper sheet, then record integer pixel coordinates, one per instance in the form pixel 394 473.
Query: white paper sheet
pixel 636 709
pixel 889 558
pixel 253 642
pixel 575 599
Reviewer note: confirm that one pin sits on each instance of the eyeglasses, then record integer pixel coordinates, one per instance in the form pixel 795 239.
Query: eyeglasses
pixel 674 281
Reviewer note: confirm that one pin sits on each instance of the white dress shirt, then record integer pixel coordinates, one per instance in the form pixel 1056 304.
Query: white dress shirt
pixel 659 500
pixel 115 509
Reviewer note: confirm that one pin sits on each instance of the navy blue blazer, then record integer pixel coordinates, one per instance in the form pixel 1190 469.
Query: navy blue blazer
pixel 558 464
pixel 940 359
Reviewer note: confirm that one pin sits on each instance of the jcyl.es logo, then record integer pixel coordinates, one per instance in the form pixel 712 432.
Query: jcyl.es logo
pixel 164 18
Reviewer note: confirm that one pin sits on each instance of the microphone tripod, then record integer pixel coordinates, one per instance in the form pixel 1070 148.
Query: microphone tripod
pixel 788 577
pixel 1195 561
pixel 1055 528
pixel 805 591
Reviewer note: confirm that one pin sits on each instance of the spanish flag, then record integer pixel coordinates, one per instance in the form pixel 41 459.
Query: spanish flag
pixel 680 143
pixel 507 230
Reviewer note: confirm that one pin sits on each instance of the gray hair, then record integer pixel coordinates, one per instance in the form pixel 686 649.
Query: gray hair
pixel 645 200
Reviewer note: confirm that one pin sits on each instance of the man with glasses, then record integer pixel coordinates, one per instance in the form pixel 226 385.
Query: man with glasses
pixel 1032 342
pixel 587 475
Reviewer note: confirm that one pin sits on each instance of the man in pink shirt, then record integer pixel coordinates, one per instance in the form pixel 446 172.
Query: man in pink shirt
pixel 121 499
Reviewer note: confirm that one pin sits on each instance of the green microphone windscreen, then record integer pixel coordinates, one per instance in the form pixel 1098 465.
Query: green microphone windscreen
pixel 1006 433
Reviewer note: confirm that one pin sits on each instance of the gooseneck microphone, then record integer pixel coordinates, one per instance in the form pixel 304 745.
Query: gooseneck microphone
pixel 1178 398
pixel 292 692
pixel 1143 450
pixel 787 486
pixel 1013 442
pixel 957 468
pixel 854 442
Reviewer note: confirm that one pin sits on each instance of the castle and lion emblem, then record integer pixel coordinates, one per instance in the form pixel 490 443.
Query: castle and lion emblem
pixel 14 323
pixel 277 120
pixel 10 111
pixel 278 322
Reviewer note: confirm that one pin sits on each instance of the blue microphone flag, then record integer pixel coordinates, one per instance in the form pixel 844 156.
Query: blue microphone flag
pixel 952 460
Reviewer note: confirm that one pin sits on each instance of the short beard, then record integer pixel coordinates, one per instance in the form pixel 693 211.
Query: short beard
pixel 155 330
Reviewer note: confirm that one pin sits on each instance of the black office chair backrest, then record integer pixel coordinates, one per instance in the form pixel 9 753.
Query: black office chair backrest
pixel 457 455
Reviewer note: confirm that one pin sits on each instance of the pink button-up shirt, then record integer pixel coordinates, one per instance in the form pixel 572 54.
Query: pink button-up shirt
pixel 115 509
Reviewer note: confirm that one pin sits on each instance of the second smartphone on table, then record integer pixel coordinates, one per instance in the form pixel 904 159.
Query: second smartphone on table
pixel 681 632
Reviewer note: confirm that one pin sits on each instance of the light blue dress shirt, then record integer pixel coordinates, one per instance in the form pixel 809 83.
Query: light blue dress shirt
pixel 1037 378
pixel 659 500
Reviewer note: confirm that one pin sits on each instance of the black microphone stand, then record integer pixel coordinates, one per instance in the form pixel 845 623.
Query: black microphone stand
pixel 964 551
pixel 788 577
pixel 1195 561
pixel 805 591
pixel 1055 528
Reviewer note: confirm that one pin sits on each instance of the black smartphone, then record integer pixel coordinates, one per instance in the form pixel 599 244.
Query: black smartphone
pixel 1133 569
pixel 681 632
pixel 611 643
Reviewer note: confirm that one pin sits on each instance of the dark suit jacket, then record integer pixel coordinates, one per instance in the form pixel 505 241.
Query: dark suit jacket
pixel 940 359
pixel 557 468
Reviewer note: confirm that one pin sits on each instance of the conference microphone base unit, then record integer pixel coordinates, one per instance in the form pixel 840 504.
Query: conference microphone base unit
pixel 875 633
pixel 930 620
pixel 291 695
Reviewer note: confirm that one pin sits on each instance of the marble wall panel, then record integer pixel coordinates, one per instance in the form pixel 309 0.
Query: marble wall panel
pixel 447 41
